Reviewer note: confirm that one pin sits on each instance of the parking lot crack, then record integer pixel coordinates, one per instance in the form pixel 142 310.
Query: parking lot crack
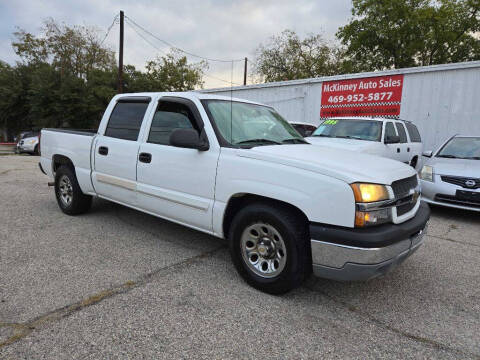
pixel 22 330
pixel 416 338
pixel 454 241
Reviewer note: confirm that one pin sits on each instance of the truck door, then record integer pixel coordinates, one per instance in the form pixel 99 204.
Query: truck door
pixel 116 151
pixel 172 182
pixel 392 151
pixel 405 149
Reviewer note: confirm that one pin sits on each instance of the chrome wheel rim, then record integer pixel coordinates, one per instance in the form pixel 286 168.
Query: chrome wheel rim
pixel 66 190
pixel 263 250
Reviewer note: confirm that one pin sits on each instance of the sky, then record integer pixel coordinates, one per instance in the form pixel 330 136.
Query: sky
pixel 219 29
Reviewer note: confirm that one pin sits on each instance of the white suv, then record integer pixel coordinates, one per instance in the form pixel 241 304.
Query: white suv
pixel 394 139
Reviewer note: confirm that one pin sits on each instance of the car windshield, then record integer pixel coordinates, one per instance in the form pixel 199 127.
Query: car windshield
pixel 244 124
pixel 351 129
pixel 461 148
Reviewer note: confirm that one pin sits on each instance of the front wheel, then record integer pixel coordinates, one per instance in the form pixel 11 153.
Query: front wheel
pixel 70 198
pixel 269 246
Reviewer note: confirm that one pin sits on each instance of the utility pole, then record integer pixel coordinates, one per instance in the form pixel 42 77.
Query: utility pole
pixel 120 56
pixel 245 73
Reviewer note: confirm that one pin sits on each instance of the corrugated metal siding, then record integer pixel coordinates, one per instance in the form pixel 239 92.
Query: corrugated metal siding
pixel 441 100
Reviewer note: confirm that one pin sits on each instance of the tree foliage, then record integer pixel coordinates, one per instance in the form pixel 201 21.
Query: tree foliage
pixel 387 34
pixel 66 78
pixel 287 57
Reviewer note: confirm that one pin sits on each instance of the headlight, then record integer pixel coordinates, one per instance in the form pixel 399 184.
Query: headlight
pixel 426 173
pixel 32 141
pixel 369 192
pixel 366 215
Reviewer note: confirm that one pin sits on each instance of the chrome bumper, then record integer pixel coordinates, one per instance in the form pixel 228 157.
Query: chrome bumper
pixel 361 254
pixel 348 263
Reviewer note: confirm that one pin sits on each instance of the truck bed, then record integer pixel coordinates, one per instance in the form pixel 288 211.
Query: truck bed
pixel 84 132
pixel 74 144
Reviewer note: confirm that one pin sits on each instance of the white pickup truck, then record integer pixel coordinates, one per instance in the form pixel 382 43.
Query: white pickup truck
pixel 239 171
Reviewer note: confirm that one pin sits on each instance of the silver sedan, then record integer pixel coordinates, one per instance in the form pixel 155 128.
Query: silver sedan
pixel 451 175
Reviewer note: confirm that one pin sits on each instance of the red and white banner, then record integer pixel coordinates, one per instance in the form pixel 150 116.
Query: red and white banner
pixel 375 96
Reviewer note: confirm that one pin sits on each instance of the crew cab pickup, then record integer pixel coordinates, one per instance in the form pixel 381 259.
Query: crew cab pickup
pixel 237 170
pixel 394 139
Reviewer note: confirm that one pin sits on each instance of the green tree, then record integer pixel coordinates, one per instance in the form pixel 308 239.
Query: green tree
pixel 172 72
pixel 287 57
pixel 75 50
pixel 14 84
pixel 387 34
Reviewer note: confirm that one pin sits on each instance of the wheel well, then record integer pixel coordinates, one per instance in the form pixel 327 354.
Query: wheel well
pixel 61 160
pixel 239 201
pixel 414 160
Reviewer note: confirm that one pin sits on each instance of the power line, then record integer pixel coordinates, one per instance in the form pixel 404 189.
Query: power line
pixel 109 29
pixel 177 48
pixel 163 52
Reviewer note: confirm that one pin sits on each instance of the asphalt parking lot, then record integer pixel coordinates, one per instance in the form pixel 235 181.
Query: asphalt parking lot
pixel 116 283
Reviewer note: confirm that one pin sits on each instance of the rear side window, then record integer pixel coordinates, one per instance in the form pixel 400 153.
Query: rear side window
pixel 168 117
pixel 401 132
pixel 389 130
pixel 413 132
pixel 126 120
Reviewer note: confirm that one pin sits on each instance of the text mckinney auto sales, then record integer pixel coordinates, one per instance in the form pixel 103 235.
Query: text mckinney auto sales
pixel 362 85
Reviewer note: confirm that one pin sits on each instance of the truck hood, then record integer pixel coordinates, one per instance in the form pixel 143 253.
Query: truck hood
pixel 345 165
pixel 455 167
pixel 346 144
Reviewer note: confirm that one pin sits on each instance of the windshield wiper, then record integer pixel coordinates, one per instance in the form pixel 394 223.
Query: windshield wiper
pixel 264 141
pixel 295 141
pixel 346 137
pixel 322 135
pixel 448 156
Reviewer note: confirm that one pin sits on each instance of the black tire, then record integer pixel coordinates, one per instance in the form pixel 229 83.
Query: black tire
pixel 79 202
pixel 294 233
pixel 35 151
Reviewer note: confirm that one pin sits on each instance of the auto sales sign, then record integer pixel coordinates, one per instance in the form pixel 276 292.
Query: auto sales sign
pixel 374 96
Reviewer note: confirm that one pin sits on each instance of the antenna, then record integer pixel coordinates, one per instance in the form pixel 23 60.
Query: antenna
pixel 231 104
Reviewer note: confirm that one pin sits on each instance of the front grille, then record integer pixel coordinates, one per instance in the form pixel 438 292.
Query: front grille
pixel 21 142
pixel 402 187
pixel 405 208
pixel 452 199
pixel 461 181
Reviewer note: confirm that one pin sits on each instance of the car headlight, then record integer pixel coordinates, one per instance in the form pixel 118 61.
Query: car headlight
pixel 32 142
pixel 365 192
pixel 366 213
pixel 426 173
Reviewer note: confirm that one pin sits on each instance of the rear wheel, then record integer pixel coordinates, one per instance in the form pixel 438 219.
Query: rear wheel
pixel 70 198
pixel 269 246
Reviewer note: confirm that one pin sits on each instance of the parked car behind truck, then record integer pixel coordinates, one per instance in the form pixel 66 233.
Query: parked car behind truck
pixel 237 170
pixel 29 143
pixel 395 139
pixel 451 174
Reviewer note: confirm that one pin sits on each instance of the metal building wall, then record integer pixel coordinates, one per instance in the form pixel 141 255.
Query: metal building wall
pixel 441 100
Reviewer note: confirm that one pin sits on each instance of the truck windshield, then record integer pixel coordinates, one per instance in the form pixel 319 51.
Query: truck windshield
pixel 461 148
pixel 244 124
pixel 370 130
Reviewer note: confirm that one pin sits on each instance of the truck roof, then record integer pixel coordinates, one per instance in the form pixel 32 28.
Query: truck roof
pixel 188 95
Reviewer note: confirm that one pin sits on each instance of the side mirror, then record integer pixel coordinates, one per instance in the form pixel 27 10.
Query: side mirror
pixel 392 139
pixel 427 153
pixel 189 138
